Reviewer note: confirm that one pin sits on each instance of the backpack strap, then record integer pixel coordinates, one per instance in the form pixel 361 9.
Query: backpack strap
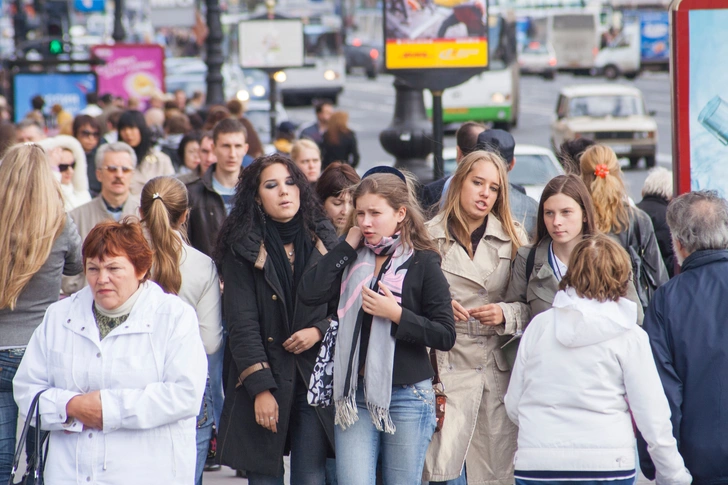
pixel 530 261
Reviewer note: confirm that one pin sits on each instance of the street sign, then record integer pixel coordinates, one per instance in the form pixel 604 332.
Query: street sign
pixel 172 13
pixel 699 44
pixel 131 70
pixel 88 6
pixel 271 43
pixel 435 34
pixel 65 88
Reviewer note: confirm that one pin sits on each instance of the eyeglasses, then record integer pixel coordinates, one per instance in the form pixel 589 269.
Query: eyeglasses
pixel 95 134
pixel 115 169
pixel 65 166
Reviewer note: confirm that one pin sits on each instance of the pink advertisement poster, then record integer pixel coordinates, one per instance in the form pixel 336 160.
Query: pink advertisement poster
pixel 131 70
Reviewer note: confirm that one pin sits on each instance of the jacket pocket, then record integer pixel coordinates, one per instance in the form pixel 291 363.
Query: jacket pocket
pixel 501 373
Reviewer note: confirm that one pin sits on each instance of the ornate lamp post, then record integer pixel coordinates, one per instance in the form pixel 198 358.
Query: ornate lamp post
pixel 118 34
pixel 214 58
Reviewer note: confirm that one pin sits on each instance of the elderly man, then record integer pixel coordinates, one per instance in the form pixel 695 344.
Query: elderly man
pixel 115 163
pixel 29 130
pixel 686 322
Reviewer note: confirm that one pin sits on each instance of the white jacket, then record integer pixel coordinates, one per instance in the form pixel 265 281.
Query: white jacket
pixel 578 365
pixel 76 193
pixel 151 372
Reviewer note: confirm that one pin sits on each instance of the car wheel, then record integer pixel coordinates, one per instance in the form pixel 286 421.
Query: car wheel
pixel 550 75
pixel 632 75
pixel 611 72
pixel 347 69
pixel 503 125
pixel 633 162
pixel 371 73
pixel 650 161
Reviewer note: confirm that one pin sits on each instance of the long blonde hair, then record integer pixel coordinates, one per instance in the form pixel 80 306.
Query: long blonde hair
pixel 164 202
pixel 31 218
pixel 453 211
pixel 397 194
pixel 607 188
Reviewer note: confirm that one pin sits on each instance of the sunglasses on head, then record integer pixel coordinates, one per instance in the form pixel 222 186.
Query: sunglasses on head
pixel 95 134
pixel 65 166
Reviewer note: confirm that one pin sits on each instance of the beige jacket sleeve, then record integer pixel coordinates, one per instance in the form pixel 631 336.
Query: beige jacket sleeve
pixel 516 311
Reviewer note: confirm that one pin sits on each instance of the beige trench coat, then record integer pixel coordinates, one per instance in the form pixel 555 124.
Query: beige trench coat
pixel 475 372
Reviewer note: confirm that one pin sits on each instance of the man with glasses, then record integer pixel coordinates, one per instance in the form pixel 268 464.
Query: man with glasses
pixel 86 129
pixel 115 164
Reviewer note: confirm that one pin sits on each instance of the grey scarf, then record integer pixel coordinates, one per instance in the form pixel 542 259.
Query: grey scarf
pixel 380 353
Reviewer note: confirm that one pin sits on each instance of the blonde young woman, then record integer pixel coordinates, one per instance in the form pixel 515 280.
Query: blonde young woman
pixel 629 225
pixel 32 217
pixel 478 240
pixel 307 156
pixel 184 271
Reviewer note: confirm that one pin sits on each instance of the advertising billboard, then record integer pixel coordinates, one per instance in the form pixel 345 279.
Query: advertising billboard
pixel 435 34
pixel 65 88
pixel 271 44
pixel 131 70
pixel 655 36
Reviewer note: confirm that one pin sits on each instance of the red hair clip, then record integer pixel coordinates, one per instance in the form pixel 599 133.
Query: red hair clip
pixel 601 171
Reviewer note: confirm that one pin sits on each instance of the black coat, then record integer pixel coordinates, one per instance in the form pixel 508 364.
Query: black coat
pixel 427 317
pixel 346 151
pixel 656 208
pixel 207 213
pixel 258 324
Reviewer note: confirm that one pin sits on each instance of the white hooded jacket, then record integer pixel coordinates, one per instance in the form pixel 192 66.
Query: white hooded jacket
pixel 76 193
pixel 581 367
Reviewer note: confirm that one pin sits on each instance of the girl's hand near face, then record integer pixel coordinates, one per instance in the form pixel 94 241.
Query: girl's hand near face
pixel 354 237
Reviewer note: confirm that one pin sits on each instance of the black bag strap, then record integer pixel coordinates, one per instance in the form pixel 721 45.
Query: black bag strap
pixel 433 361
pixel 33 413
pixel 530 261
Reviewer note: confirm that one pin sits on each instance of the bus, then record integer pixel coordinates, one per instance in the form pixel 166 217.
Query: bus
pixel 576 38
pixel 492 96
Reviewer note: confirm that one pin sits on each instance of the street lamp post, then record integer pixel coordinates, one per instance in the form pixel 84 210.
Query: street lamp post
pixel 214 57
pixel 118 35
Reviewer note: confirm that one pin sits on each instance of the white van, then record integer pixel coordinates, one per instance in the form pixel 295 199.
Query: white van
pixel 622 56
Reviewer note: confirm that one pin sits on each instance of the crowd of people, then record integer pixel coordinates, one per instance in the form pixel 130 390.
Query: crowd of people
pixel 181 299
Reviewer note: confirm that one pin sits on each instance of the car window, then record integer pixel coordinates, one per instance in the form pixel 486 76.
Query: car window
pixel 561 107
pixel 600 106
pixel 532 170
pixel 535 48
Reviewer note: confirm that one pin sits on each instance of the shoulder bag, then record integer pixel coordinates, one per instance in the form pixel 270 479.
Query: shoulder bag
pixel 36 461
pixel 439 388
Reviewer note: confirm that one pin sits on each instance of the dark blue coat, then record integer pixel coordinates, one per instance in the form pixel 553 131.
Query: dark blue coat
pixel 687 322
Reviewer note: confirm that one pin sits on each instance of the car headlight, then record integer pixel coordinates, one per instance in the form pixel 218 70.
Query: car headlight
pixel 280 77
pixel 590 136
pixel 258 90
pixel 498 98
pixel 243 95
pixel 330 75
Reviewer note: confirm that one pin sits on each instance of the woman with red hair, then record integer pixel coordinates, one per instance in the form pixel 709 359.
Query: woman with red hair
pixel 123 370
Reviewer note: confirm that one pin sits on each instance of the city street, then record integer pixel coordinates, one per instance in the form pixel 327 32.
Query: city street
pixel 370 105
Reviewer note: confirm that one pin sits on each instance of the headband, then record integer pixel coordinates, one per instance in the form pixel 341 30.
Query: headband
pixel 385 169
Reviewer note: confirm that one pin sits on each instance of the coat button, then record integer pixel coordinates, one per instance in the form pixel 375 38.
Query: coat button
pixel 270 339
pixel 274 297
pixel 346 258
pixel 98 354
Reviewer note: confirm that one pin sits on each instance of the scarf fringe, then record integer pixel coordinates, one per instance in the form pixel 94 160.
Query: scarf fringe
pixel 346 411
pixel 381 415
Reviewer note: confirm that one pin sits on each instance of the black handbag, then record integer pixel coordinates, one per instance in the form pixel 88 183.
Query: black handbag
pixel 36 460
pixel 643 277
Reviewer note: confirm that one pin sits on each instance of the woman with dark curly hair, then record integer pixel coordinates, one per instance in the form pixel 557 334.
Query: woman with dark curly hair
pixel 274 233
pixel 151 162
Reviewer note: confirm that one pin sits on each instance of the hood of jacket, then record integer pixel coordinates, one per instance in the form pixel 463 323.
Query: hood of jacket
pixel 581 321
pixel 80 175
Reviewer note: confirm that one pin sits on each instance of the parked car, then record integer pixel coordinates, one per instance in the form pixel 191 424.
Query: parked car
pixel 610 114
pixel 534 167
pixel 363 55
pixel 537 58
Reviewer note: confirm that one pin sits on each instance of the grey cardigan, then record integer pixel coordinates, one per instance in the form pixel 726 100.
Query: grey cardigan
pixel 44 288
pixel 537 294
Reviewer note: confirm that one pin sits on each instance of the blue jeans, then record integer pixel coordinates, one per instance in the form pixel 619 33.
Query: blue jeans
pixel 204 433
pixel 9 362
pixel 309 446
pixel 214 370
pixel 358 447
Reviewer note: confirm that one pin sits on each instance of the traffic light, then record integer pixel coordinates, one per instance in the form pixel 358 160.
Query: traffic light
pixel 55 47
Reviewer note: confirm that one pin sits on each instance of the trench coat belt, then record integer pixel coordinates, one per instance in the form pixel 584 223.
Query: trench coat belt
pixel 251 370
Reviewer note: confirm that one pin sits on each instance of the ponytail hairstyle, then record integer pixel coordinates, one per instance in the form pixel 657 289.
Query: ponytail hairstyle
pixel 602 175
pixel 398 194
pixel 163 206
pixel 456 227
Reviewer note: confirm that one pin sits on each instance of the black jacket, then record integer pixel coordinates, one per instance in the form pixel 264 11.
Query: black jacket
pixel 207 213
pixel 656 208
pixel 345 151
pixel 686 322
pixel 427 317
pixel 258 324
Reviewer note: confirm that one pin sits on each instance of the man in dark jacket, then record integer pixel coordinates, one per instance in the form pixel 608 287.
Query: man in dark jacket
pixel 656 194
pixel 211 196
pixel 686 322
